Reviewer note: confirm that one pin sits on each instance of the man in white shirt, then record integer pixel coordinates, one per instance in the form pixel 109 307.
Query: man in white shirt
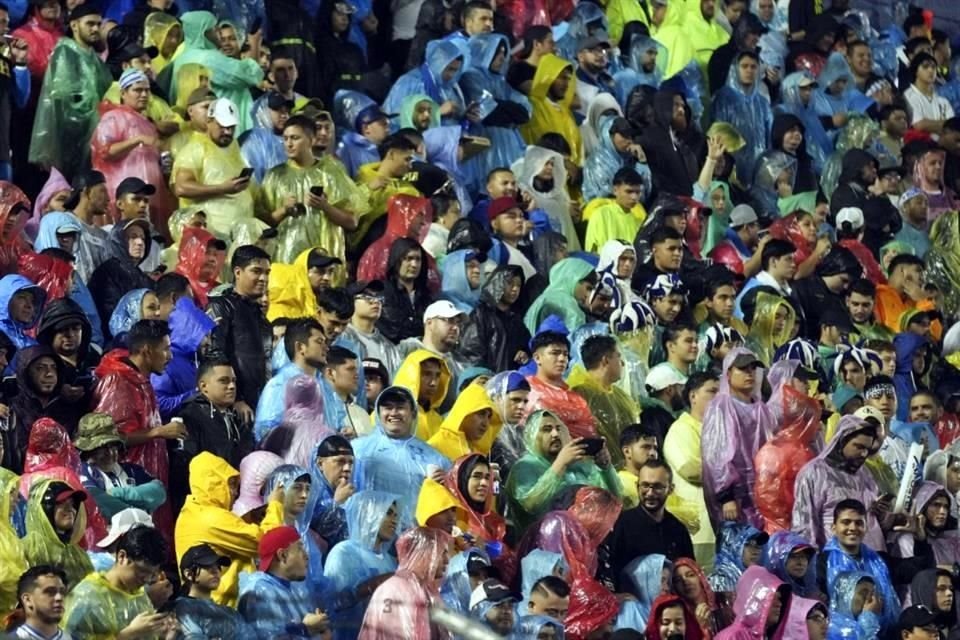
pixel 928 110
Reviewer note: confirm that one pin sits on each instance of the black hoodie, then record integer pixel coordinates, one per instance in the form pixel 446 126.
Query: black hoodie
pixel 491 337
pixel 402 315
pixel 806 177
pixel 882 220
pixel 117 276
pixel 674 165
pixel 57 315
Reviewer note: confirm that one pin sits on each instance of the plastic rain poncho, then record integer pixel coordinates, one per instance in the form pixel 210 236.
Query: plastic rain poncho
pixel 254 470
pixel 262 149
pixel 156 28
pixel 861 132
pixel 428 79
pixel 844 624
pixel 399 608
pixel 612 409
pixel 755 597
pixel 645 574
pixel 206 519
pixel 479 520
pixel 943 261
pixel 49 273
pixel 827 103
pixel 945 541
pixel 690 37
pixel 823 482
pixel 409 107
pixel 602 165
pixel 308 411
pixel 555 202
pixel 396 465
pixel 127 312
pixel 42 544
pixel 315 229
pixel 67 114
pixel 454 285
pixel 733 431
pixel 457 586
pixel 403 213
pixel 12 556
pixel 229 78
pixel 56 184
pixel 600 108
pixel 96 610
pixel 17 331
pixel 206 619
pixel 327 517
pixel 506 145
pixel 361 557
pixel 819 144
pixel 531 627
pixel 779 461
pixel 585 19
pixel 558 299
pixel 633 74
pixel 509 446
pixel 549 116
pixel 538 564
pixel 199 266
pixel 838 563
pixel 778 550
pixel 442 145
pixel 451 441
pixel 281 394
pixel 749 112
pixel 408 377
pixel 532 483
pixel 763 193
pixel 762 339
pixel 732 537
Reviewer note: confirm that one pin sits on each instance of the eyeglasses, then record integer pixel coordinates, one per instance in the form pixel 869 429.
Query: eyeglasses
pixel 371 298
pixel 818 617
pixel 656 487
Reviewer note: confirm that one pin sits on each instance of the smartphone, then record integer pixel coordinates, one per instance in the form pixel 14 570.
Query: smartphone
pixel 245 174
pixel 592 446
pixel 317 191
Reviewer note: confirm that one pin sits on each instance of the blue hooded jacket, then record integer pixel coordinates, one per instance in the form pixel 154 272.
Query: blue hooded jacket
pixel 906 345
pixel 11 285
pixel 781 545
pixel 749 112
pixel 443 151
pixel 428 79
pixel 869 562
pixel 820 146
pixel 454 282
pixel 262 150
pixel 843 624
pixel 178 382
pixel 602 165
pixel 128 312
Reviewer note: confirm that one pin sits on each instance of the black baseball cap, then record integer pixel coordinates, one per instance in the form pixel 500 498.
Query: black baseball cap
pixel 276 101
pixel 374 366
pixel 134 185
pixel 835 316
pixel 364 286
pixel 916 616
pixel 133 50
pixel 202 555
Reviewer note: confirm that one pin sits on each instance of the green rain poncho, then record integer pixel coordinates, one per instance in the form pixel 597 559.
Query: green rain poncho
pixel 943 262
pixel 719 220
pixel 532 483
pixel 409 106
pixel 67 113
pixel 313 229
pixel 43 546
pixel 96 610
pixel 557 299
pixel 12 558
pixel 229 78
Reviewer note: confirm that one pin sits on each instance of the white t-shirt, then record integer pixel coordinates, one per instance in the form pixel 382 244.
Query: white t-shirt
pixel 924 108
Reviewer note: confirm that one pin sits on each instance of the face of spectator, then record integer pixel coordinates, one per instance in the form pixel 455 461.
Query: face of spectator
pixel 552 360
pixel 897 124
pixel 137 96
pixel 548 604
pixel 797 564
pixel 136 242
pixel 479 21
pixel 550 437
pixel 792 140
pixel 452 69
pixel 708 8
pixel 221 136
pixel 937 511
pixel 860 307
pixel 747 70
pixel 229 43
pixel 668 254
pixel 944 598
pixel 500 617
pixel 654 486
pixel 50 10
pixel 219 386
pixel 87 30
pixel 668 307
pixel 686 583
pixel 560 85
pixel 22 307
pixel 43 375
pixel 850 527
pixel 861 60
pixel 252 279
pixel 885 402
pixel 476 425
pixel 64 516
pixel 396 417
pixel 67 340
pixel 673 626
pixel 159 356
pixel 207 578
pixel 150 307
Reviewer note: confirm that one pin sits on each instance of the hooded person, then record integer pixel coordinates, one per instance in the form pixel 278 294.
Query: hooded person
pixel 837 473
pixel 461 276
pixel 410 375
pixel 540 475
pixel 672 144
pixel 833 94
pixel 933 506
pixel 11 547
pixel 551 97
pixel 543 173
pixel 656 621
pixel 593 609
pixel 858 173
pixel 14 210
pixel 643 60
pixel 229 78
pixel 471 426
pixel 933 589
pixel 605 161
pixel 778 462
pixel 797 95
pixel 412 106
pixel 437 77
pixel 494 335
pixel 360 563
pixel 648 579
pixel 55 526
pixel 200 259
pixel 484 82
pixel 206 518
pixel 736 543
pixel 771 322
pixel 189 328
pixel 740 103
pixel 690 583
pixel 849 617
pixel 254 470
pixel 736 425
pixel 787 124
pixel 332 454
pixel 910 347
pixel 403 309
pixel 21 302
pixel 804 613
pixel 509 391
pixel 762 607
pixel 53 274
pixel 133 306
pixel 793 560
pixel 392 457
pixel 130 243
pixel 560 296
pixel 692 37
pixel 534 627
pixel 407 217
pixel 773 179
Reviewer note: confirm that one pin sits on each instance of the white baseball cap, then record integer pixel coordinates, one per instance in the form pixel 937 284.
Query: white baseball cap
pixel 664 375
pixel 871 412
pixel 224 112
pixel 442 309
pixel 853 215
pixel 123 521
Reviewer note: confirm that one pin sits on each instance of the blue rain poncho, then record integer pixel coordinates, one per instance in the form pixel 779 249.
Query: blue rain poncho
pixel 361 557
pixel 207 619
pixel 779 548
pixel 539 564
pixel 456 588
pixel 749 112
pixel 603 164
pixel 454 284
pixel 633 74
pixel 586 18
pixel 396 465
pixel 428 79
pixel 819 144
pixel 777 22
pixel 844 625
pixel 353 150
pixel 645 575
pixel 529 628
pixel 838 563
pixel 731 539
pixel 825 102
pixel 128 312
pixel 272 403
pixel 285 475
pixel 327 517
pixel 506 145
pixel 11 285
pixel 240 13
pixel 443 151
pixel 262 149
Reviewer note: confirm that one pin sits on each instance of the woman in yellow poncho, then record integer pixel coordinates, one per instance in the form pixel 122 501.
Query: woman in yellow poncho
pixel 551 96
pixel 691 34
pixel 772 326
pixel 163 31
pixel 57 544
pixel 12 558
pixel 471 426
pixel 409 376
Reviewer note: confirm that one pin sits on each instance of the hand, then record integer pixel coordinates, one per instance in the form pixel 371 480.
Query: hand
pixel 637 152
pixel 171 627
pixel 764 239
pixel 438 475
pixel 571 452
pixel 349 433
pixel 71 393
pixel 4 411
pixel 473 113
pixel 19 50
pixel 527 201
pixel 145 624
pixel 876 188
pixel 316 622
pixel 521 357
pixel 147 141
pixel 773 75
pixel 236 185
pixel 823 246
pixel 448 108
pixel 916 525
pixel 715 148
pixel 171 431
pixel 277 495
pixel 881 508
pixel 839 119
pixel 731 513
pixel 874 603
pixel 244 411
pixel 317 202
pixel 703 615
pixel 343 491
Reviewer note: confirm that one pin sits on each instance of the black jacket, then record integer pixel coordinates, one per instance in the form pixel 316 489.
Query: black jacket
pixel 805 178
pixel 292 29
pixel 117 276
pixel 882 220
pixel 243 336
pixel 491 337
pixel 637 534
pixel 675 167
pixel 58 315
pixel 402 317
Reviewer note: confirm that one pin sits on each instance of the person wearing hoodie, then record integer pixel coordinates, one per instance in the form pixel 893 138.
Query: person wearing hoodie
pixel 745 37
pixel 933 589
pixel 120 274
pixel 331 468
pixel 913 363
pixel 807 620
pixel 189 331
pixel 672 144
pixel 471 426
pixel 428 378
pixel 56 523
pixel 739 547
pixel 855 607
pixel 494 335
pixel 670 620
pixel 254 470
pixel 393 458
pixel 855 188
pixel 368 126
pixel 551 97
pixel 797 93
pixel 762 607
pixel 21 303
pixel 740 103
pixel 572 280
pixel 206 519
pixel 936 539
pixel 408 216
pixel 200 260
pixel 406 292
pixel 793 560
pixel 438 78
pixel 638 55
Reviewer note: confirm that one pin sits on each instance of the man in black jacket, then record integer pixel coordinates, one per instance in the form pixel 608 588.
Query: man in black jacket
pixel 243 335
pixel 859 187
pixel 65 329
pixel 130 245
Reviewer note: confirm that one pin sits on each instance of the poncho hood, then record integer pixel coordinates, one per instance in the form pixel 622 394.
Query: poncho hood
pixel 208 480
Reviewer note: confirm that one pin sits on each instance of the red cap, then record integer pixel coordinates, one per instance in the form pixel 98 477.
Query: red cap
pixel 912 135
pixel 500 205
pixel 70 494
pixel 275 540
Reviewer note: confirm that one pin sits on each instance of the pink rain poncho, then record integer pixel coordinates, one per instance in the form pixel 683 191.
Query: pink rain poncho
pixel 755 600
pixel 779 461
pixel 823 482
pixel 303 425
pixel 14 211
pixel 733 432
pixel 400 607
pixel 55 184
pixel 945 541
pixel 254 469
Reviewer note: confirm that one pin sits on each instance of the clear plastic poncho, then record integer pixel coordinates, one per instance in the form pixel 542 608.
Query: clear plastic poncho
pixel 97 610
pixel 844 624
pixel 454 284
pixel 428 79
pixel 645 574
pixel 254 470
pixel 778 550
pixel 732 537
pixel 42 544
pixel 749 112
pixel 128 312
pixel 633 74
pixel 557 299
pixel 763 192
pixel 12 556
pixel 612 409
pixel 555 202
pixel 943 260
pixel 819 144
pixel 838 562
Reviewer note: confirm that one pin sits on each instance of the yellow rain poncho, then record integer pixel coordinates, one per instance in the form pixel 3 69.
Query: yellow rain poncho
pixel 606 220
pixel 377 198
pixel 206 518
pixel 96 610
pixel 156 30
pixel 189 78
pixel 313 229
pixel 687 35
pixel 435 498
pixel 681 450
pixel 451 441
pixel 290 293
pixel 612 408
pixel 41 545
pixel 12 558
pixel 549 116
pixel 408 376
pixel 762 339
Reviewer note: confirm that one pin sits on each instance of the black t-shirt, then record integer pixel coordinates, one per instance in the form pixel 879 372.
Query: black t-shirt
pixel 520 72
pixel 637 534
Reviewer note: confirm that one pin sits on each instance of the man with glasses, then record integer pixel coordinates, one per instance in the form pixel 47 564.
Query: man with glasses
pixel 442 322
pixel 649 527
pixel 362 330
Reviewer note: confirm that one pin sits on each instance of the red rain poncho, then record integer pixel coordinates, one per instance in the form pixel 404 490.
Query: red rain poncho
pixel 400 607
pixel 597 511
pixel 14 215
pixel 591 607
pixel 786 228
pixel 49 273
pixel 692 632
pixel 50 454
pixel 402 212
pixel 41 40
pixel 719 617
pixel 194 264
pixel 568 405
pixel 126 395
